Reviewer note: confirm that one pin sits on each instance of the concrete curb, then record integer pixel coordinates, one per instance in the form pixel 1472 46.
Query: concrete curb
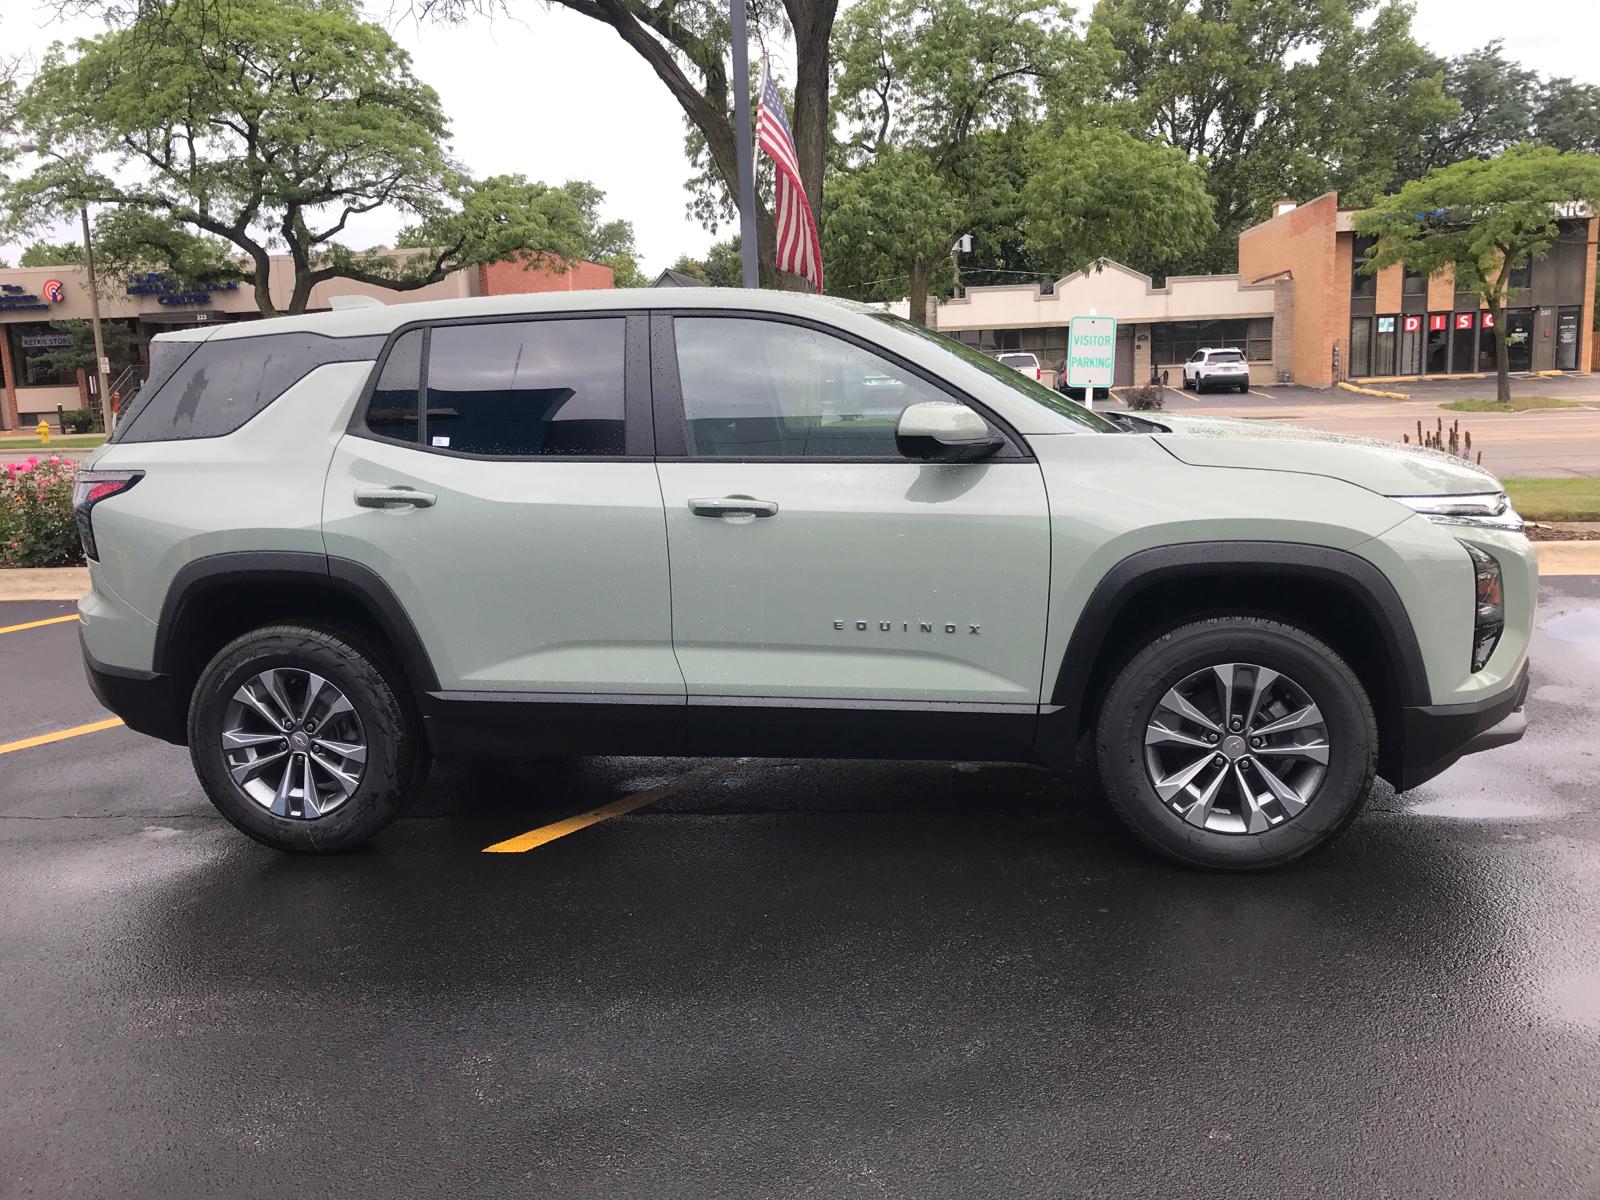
pixel 44 583
pixel 1568 558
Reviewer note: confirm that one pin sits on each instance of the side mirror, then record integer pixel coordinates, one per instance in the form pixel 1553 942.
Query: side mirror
pixel 944 430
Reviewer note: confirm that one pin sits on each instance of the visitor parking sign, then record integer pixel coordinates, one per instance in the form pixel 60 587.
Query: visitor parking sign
pixel 1091 352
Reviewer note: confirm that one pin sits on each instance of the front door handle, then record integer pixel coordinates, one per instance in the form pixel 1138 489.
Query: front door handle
pixel 394 497
pixel 733 506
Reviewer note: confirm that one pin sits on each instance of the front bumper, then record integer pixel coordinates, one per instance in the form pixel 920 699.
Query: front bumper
pixel 147 702
pixel 1437 735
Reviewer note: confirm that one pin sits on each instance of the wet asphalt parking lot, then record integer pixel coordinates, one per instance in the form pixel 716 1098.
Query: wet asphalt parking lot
pixel 794 979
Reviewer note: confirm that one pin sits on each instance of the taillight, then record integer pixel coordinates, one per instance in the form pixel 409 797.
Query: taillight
pixel 1038 374
pixel 91 488
pixel 1489 606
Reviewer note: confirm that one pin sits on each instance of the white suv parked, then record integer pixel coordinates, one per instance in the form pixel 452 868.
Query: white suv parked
pixel 1222 369
pixel 324 549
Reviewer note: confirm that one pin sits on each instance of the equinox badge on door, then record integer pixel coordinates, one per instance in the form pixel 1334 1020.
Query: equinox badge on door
pixel 906 626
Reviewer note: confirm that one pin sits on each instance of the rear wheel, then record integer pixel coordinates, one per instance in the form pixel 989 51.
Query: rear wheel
pixel 1237 743
pixel 302 738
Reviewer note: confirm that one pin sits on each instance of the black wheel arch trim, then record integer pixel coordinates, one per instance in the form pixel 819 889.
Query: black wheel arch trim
pixel 1118 587
pixel 346 576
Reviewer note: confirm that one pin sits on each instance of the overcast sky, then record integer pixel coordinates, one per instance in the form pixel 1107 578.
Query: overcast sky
pixel 556 96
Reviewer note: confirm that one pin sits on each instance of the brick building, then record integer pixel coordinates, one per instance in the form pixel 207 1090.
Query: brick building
pixel 1299 310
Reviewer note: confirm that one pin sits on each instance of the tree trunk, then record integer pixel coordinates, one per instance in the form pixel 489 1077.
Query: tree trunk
pixel 920 273
pixel 812 21
pixel 1502 354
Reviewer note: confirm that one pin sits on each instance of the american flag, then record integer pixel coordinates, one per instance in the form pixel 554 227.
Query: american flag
pixel 799 250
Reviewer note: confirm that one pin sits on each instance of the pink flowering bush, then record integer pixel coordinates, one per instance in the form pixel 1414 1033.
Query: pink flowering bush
pixel 37 527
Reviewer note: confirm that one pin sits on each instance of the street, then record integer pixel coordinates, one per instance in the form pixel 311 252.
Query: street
pixel 794 979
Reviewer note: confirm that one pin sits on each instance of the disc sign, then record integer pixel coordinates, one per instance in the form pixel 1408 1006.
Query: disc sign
pixel 1091 352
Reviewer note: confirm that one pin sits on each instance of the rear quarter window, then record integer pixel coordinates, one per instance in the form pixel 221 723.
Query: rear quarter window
pixel 220 386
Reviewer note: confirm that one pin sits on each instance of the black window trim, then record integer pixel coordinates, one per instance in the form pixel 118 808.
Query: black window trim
pixel 638 424
pixel 672 440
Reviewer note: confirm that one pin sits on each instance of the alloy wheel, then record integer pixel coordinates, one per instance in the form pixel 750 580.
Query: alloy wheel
pixel 293 743
pixel 1236 748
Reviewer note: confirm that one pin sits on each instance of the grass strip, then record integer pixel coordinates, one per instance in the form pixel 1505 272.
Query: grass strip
pixel 1518 404
pixel 32 445
pixel 1555 499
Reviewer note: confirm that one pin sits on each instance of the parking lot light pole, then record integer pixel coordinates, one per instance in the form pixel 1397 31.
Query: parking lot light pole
pixel 102 371
pixel 746 183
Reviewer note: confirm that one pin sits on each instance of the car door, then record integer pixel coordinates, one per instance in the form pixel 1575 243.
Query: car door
pixel 830 594
pixel 500 481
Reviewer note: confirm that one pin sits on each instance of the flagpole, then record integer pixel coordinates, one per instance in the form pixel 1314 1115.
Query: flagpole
pixel 741 128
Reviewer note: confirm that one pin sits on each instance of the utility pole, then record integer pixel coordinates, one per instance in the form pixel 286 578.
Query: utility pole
pixel 102 367
pixel 745 149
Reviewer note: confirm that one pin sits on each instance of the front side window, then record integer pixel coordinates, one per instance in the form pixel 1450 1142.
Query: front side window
pixel 765 389
pixel 527 388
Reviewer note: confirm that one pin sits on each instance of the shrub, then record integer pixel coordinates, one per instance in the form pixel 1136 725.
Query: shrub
pixel 37 526
pixel 80 420
pixel 1143 399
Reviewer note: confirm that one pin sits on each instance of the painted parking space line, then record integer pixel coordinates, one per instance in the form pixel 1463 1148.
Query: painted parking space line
pixel 1263 395
pixel 60 735
pixel 36 624
pixel 549 833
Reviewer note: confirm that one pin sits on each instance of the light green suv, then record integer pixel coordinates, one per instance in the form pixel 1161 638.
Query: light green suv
pixel 326 548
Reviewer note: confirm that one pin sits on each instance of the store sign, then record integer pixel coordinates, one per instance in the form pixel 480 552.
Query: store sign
pixel 19 299
pixel 53 291
pixel 1385 324
pixel 154 283
pixel 1414 324
pixel 1091 352
pixel 1463 320
pixel 44 341
pixel 1436 322
pixel 1488 320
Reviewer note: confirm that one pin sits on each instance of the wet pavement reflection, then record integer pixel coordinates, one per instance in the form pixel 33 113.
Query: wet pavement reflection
pixel 819 979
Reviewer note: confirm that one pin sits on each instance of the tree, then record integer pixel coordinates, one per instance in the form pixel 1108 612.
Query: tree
pixel 117 337
pixel 269 123
pixel 43 254
pixel 1274 97
pixel 723 265
pixel 610 243
pixel 1482 219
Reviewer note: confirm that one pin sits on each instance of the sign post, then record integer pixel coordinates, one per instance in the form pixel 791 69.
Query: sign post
pixel 744 147
pixel 1091 354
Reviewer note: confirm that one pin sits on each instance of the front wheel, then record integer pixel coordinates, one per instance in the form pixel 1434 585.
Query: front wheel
pixel 1237 743
pixel 302 738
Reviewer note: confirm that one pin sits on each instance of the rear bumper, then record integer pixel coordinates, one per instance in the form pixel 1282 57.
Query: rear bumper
pixel 1437 735
pixel 147 702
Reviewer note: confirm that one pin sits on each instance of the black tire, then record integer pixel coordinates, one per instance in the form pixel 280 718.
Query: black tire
pixel 1243 388
pixel 1138 689
pixel 396 753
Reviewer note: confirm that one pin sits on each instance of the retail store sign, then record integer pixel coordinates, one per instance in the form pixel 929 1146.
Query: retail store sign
pixel 1413 325
pixel 1437 322
pixel 1488 320
pixel 1463 320
pixel 1091 352
pixel 14 298
pixel 1385 324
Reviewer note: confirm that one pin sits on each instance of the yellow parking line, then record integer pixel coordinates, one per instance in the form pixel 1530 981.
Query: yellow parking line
pixel 549 833
pixel 1263 395
pixel 60 735
pixel 36 624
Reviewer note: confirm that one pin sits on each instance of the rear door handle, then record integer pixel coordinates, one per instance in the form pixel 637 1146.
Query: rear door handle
pixel 394 497
pixel 733 506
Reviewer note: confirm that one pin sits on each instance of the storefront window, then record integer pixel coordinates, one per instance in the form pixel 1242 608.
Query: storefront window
pixel 1411 339
pixel 1437 361
pixel 1567 339
pixel 1383 346
pixel 1487 343
pixel 1463 342
pixel 1360 348
pixel 1176 341
pixel 49 353
pixel 1519 338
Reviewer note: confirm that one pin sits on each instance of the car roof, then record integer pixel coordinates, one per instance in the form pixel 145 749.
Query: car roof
pixel 381 319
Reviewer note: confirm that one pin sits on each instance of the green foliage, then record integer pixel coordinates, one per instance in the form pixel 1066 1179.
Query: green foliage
pixel 723 265
pixel 81 420
pixel 267 123
pixel 1102 193
pixel 130 240
pixel 1144 399
pixel 1480 220
pixel 119 339
pixel 1274 97
pixel 43 254
pixel 37 526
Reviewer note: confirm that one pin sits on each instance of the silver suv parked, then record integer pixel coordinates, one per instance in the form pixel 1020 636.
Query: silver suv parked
pixel 325 549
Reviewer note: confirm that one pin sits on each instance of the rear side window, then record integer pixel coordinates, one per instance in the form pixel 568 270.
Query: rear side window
pixel 520 389
pixel 224 383
pixel 392 412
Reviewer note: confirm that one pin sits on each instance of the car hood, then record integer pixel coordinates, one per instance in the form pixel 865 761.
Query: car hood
pixel 1388 468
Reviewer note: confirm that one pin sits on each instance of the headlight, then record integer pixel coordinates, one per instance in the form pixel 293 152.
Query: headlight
pixel 1489 606
pixel 1487 510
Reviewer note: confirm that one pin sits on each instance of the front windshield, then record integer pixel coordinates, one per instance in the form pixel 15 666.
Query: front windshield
pixel 1013 379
